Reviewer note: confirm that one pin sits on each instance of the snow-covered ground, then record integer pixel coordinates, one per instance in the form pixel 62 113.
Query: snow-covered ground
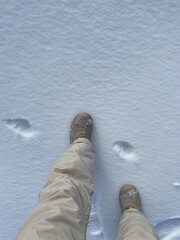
pixel 118 60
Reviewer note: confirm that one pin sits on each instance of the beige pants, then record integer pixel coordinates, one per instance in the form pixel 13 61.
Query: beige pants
pixel 64 203
pixel 134 226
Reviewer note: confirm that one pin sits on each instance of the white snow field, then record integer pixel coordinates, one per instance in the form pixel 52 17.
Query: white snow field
pixel 119 60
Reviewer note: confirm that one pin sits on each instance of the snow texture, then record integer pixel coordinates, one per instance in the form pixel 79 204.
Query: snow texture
pixel 21 127
pixel 94 230
pixel 125 151
pixel 119 61
pixel 130 194
pixel 169 229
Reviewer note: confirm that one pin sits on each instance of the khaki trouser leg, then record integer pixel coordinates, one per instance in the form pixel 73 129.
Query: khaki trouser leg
pixel 64 203
pixel 134 226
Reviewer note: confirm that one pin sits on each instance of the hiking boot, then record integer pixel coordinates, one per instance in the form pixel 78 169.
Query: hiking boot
pixel 81 127
pixel 129 198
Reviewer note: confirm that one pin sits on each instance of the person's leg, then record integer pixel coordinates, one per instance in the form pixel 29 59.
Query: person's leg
pixel 133 224
pixel 64 203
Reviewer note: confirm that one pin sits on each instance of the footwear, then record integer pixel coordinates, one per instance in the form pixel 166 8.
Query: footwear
pixel 129 198
pixel 81 127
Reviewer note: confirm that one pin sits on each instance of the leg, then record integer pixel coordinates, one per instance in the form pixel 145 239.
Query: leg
pixel 64 203
pixel 133 224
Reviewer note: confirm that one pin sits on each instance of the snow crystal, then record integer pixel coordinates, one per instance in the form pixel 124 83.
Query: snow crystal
pixel 130 194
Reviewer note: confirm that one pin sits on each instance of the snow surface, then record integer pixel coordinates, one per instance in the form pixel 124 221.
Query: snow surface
pixel 118 60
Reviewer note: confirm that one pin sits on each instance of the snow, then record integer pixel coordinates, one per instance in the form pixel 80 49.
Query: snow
pixel 125 151
pixel 94 230
pixel 117 60
pixel 169 229
pixel 131 194
pixel 20 127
